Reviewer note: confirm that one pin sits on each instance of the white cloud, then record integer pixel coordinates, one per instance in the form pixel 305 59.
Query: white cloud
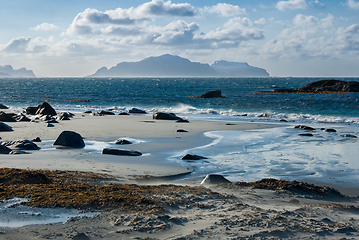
pixel 302 20
pixel 353 4
pixel 45 27
pixel 17 45
pixel 291 4
pixel 317 4
pixel 261 22
pixel 225 9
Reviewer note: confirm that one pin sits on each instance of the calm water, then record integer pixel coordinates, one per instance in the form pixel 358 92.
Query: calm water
pixel 172 94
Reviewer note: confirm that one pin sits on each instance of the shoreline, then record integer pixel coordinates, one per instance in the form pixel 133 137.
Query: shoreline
pixel 158 207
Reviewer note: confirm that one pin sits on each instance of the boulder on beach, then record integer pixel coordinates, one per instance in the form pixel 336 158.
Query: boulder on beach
pixel 120 152
pixel 192 157
pixel 165 116
pixel 102 113
pixel 211 94
pixel 136 110
pixel 22 144
pixel 70 139
pixel 22 118
pixel 3 106
pixel 42 109
pixel 4 149
pixel 5 128
pixel 214 179
pixel 7 117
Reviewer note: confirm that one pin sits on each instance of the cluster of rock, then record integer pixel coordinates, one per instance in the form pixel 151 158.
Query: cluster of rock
pixel 324 86
pixel 309 129
pixel 17 147
pixel 210 94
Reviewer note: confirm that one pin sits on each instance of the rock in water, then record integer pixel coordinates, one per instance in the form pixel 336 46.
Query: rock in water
pixel 70 139
pixel 120 152
pixel 212 94
pixel 214 179
pixel 165 116
pixel 136 110
pixel 5 128
pixel 122 142
pixel 193 157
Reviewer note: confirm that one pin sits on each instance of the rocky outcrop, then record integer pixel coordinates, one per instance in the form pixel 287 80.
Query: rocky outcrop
pixel 324 86
pixel 211 94
pixel 22 144
pixel 4 149
pixel 70 139
pixel 7 117
pixel 165 116
pixel 42 109
pixel 120 152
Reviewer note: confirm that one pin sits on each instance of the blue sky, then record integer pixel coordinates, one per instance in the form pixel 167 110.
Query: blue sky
pixel 286 37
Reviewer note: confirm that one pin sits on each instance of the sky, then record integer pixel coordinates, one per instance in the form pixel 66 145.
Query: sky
pixel 71 38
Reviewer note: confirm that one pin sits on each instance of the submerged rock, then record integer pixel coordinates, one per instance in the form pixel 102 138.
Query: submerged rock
pixel 304 127
pixel 70 139
pixel 214 179
pixel 123 142
pixel 349 136
pixel 211 94
pixel 120 152
pixel 306 134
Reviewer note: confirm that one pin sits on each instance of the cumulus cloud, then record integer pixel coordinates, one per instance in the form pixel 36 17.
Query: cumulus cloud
pixel 317 4
pixel 87 22
pixel 17 45
pixel 353 4
pixel 225 9
pixel 291 4
pixel 45 27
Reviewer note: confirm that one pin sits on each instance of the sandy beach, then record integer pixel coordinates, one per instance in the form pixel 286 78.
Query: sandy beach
pixel 181 209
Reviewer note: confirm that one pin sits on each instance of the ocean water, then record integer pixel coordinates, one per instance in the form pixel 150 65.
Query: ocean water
pixel 250 155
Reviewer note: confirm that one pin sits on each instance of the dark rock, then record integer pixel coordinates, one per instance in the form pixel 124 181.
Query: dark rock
pixel 80 236
pixel 123 113
pixel 45 109
pixel 51 121
pixel 3 106
pixel 324 86
pixel 22 118
pixel 65 116
pixel 22 144
pixel 306 134
pixel 330 130
pixel 349 136
pixel 88 112
pixel 31 110
pixel 16 152
pixel 214 179
pixel 4 127
pixel 50 125
pixel 102 113
pixel 181 130
pixel 138 111
pixel 304 127
pixel 37 139
pixel 283 120
pixel 193 157
pixel 120 152
pixel 122 142
pixel 211 94
pixel 182 121
pixel 70 139
pixel 165 116
pixel 4 149
pixel 7 117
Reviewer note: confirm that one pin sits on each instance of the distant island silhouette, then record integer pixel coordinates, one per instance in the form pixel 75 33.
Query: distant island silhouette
pixel 8 71
pixel 171 65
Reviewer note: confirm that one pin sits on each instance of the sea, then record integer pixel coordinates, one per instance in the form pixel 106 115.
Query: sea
pixel 281 153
